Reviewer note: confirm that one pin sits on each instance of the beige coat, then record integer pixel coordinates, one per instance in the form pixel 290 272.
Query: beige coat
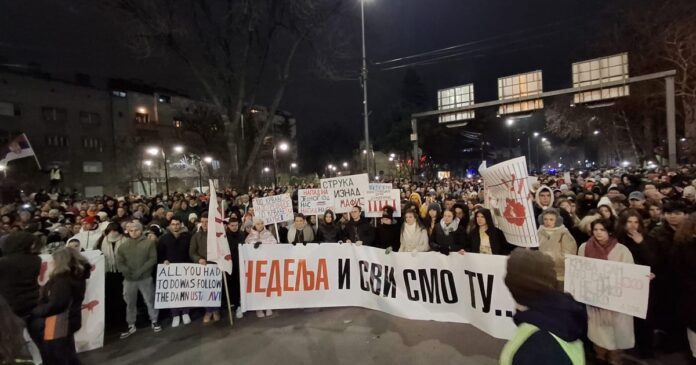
pixel 557 243
pixel 608 329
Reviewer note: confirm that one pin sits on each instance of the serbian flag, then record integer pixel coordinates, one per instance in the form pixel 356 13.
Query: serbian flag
pixel 218 248
pixel 16 149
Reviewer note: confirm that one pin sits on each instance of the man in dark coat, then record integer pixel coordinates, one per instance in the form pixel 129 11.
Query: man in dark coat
pixel 358 230
pixel 173 247
pixel 235 237
pixel 387 233
pixel 20 268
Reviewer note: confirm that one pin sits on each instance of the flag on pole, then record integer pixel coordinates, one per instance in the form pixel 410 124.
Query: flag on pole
pixel 218 248
pixel 16 149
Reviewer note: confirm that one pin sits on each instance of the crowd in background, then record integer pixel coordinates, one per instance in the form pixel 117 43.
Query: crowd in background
pixel 641 217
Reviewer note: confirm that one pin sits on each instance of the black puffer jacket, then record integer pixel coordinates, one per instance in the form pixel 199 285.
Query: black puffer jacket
pixel 330 232
pixel 388 235
pixel 63 292
pixel 19 273
pixel 445 244
pixel 360 231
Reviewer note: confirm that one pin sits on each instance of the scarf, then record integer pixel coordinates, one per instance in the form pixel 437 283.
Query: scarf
pixel 451 228
pixel 110 247
pixel 410 232
pixel 595 250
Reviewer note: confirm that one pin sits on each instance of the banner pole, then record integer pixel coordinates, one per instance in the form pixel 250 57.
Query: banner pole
pixel 277 233
pixel 32 150
pixel 227 294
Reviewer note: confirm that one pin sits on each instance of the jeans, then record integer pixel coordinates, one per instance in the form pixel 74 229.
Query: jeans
pixel 130 295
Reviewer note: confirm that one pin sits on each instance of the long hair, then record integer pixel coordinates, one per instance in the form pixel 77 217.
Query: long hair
pixel 11 339
pixel 486 215
pixel 464 221
pixel 687 231
pixel 70 261
pixel 109 228
pixel 623 219
pixel 419 223
pixel 606 223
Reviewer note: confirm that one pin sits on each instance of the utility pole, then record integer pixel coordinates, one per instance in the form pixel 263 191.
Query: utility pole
pixel 363 77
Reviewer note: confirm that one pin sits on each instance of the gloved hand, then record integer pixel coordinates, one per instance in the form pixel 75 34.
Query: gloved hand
pixel 445 250
pixel 358 243
pixel 257 244
pixel 388 250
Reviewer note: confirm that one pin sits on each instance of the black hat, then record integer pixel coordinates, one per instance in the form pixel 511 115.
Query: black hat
pixel 387 214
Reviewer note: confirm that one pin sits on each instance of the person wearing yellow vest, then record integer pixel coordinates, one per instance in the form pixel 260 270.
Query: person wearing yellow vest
pixel 550 324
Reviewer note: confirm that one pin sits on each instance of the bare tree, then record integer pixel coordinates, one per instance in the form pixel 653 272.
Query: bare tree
pixel 233 48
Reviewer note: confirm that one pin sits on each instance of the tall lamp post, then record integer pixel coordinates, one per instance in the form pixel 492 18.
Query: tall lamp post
pixel 283 147
pixel 208 160
pixel 154 151
pixel 363 77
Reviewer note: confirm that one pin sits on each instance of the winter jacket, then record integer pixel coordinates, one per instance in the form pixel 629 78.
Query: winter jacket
pixel 499 245
pixel 88 239
pixel 264 236
pixel 555 314
pixel 174 249
pixel 388 235
pixel 557 242
pixel 307 234
pixel 360 231
pixel 198 249
pixel 136 258
pixel 329 232
pixel 415 242
pixel 684 258
pixel 19 270
pixel 444 243
pixel 63 292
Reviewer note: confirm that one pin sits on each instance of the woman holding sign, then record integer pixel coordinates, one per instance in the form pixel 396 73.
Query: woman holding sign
pixel 610 332
pixel 260 235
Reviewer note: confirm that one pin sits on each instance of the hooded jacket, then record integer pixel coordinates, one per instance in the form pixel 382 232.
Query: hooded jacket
pixel 19 270
pixel 538 209
pixel 557 242
pixel 307 234
pixel 63 292
pixel 555 314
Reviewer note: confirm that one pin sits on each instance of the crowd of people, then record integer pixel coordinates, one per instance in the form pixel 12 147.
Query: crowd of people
pixel 636 217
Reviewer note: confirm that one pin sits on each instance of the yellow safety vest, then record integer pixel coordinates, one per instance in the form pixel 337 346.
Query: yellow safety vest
pixel 574 350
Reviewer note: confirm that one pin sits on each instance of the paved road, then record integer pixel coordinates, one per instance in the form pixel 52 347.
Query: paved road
pixel 349 336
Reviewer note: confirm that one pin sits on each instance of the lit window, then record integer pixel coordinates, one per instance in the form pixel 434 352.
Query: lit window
pixel 177 123
pixel 92 166
pixel 142 118
pixel 117 93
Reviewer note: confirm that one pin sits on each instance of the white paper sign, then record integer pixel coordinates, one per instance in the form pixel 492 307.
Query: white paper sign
pixel 507 191
pixel 91 335
pixel 274 209
pixel 612 285
pixel 381 197
pixel 426 286
pixel 188 285
pixel 315 201
pixel 349 191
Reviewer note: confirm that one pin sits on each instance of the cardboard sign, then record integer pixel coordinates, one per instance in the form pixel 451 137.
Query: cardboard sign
pixel 349 191
pixel 188 285
pixel 315 201
pixel 274 209
pixel 381 195
pixel 612 285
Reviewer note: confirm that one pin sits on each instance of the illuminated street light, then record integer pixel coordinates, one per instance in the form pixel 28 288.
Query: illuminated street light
pixel 147 163
pixel 391 159
pixel 266 169
pixel 283 147
pixel 625 163
pixel 596 132
pixel 141 110
pixel 345 165
pixel 392 155
pixel 293 165
pixel 536 134
pixel 509 122
pixel 543 139
pixel 683 139
pixel 179 149
pixel 208 159
pixel 153 151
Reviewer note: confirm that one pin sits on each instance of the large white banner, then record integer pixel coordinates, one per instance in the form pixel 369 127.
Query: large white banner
pixel 427 286
pixel 507 194
pixel 188 285
pixel 274 209
pixel 612 285
pixel 349 191
pixel 380 195
pixel 315 201
pixel 91 335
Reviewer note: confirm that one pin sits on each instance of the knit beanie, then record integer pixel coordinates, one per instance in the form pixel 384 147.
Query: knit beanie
pixel 530 275
pixel 435 206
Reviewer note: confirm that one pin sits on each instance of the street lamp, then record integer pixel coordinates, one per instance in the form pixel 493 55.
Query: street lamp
pixel 509 122
pixel 596 132
pixel 345 165
pixel 293 165
pixel 363 78
pixel 179 149
pixel 283 147
pixel 536 134
pixel 147 163
pixel 543 139
pixel 207 160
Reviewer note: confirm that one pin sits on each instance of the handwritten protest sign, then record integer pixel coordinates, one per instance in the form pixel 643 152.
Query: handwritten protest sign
pixel 314 201
pixel 274 209
pixel 188 285
pixel 507 194
pixel 612 285
pixel 349 191
pixel 380 195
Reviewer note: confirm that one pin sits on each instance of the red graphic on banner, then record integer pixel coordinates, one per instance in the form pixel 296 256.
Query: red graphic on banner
pixel 228 257
pixel 90 305
pixel 514 212
pixel 42 271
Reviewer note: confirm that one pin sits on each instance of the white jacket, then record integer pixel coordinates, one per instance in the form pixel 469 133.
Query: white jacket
pixel 416 241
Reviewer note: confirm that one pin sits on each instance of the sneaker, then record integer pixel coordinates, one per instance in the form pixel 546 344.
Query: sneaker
pixel 176 321
pixel 156 327
pixel 130 331
pixel 186 319
pixel 216 316
pixel 259 314
pixel 238 313
pixel 269 312
pixel 206 317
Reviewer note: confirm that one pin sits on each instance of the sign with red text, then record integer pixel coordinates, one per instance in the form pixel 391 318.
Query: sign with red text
pixel 380 195
pixel 188 285
pixel 616 286
pixel 425 286
pixel 349 191
pixel 508 198
pixel 91 334
pixel 274 209
pixel 315 201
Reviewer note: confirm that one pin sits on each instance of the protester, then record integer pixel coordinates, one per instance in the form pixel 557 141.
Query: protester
pixel 414 236
pixel 485 237
pixel 13 347
pixel 260 235
pixel 90 233
pixel 136 258
pixel 109 244
pixel 387 232
pixel 358 230
pixel 684 259
pixel 235 237
pixel 550 324
pixel 449 235
pixel 556 241
pixel 61 300
pixel 173 248
pixel 299 231
pixel 610 332
pixel 329 229
pixel 432 218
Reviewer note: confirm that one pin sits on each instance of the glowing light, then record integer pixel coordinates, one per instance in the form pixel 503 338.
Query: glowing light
pixel 208 159
pixel 283 146
pixel 153 151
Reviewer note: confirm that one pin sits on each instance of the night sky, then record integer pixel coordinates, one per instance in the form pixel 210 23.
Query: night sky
pixel 512 36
